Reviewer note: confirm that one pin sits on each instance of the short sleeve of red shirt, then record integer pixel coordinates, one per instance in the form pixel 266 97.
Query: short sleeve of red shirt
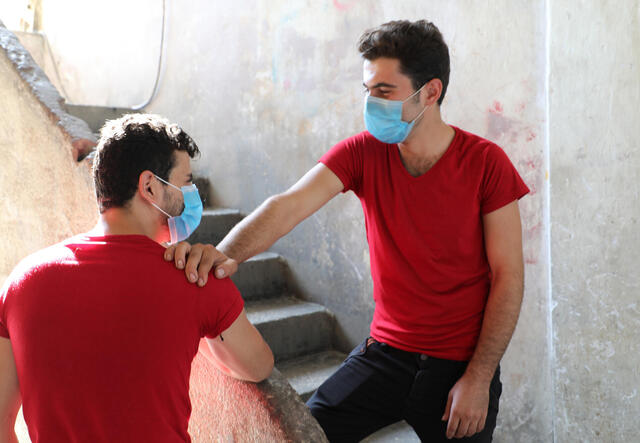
pixel 345 161
pixel 219 306
pixel 501 183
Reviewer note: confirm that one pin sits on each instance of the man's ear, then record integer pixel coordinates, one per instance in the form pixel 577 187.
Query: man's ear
pixel 148 186
pixel 431 92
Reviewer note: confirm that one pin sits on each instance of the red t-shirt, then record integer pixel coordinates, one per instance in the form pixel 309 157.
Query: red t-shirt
pixel 428 263
pixel 103 331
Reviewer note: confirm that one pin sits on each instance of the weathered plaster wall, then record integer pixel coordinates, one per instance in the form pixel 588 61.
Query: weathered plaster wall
pixel 106 52
pixel 37 46
pixel 266 87
pixel 595 176
pixel 46 195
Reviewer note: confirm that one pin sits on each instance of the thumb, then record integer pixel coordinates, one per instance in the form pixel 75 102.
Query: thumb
pixel 447 409
pixel 226 269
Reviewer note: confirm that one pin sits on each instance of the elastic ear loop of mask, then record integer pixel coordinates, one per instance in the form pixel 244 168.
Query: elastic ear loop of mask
pixel 407 99
pixel 158 207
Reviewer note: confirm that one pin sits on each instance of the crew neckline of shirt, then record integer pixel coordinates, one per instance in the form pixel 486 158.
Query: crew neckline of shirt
pixel 450 148
pixel 139 238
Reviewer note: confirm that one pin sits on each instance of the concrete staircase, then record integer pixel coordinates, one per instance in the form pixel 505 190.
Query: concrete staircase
pixel 299 332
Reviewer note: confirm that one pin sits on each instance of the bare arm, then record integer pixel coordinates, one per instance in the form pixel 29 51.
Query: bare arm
pixel 242 352
pixel 503 239
pixel 468 400
pixel 280 214
pixel 259 230
pixel 9 393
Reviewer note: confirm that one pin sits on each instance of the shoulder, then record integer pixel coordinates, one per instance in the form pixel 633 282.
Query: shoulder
pixel 472 142
pixel 361 141
pixel 43 261
pixel 478 149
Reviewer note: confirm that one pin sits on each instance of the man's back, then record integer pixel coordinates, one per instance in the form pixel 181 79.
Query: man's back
pixel 103 333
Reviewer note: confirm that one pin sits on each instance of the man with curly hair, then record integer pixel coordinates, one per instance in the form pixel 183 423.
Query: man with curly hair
pixel 98 329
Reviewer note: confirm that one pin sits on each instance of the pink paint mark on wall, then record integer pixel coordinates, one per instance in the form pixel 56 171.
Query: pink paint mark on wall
pixel 496 108
pixel 531 233
pixel 498 125
pixel 344 5
pixel 530 135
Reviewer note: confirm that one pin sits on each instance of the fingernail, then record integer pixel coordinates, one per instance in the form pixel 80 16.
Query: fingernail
pixel 201 282
pixel 193 277
pixel 180 264
pixel 220 273
pixel 167 257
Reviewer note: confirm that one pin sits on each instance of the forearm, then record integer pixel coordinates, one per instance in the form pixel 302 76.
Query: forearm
pixel 258 231
pixel 500 318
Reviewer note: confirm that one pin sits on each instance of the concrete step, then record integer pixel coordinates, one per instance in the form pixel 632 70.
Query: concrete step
pixel 291 326
pixel 399 432
pixel 307 373
pixel 215 224
pixel 262 276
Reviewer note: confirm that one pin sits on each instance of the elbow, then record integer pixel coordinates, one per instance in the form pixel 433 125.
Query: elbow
pixel 264 370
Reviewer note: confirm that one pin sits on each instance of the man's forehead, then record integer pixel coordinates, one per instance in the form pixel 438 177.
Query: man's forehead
pixel 382 69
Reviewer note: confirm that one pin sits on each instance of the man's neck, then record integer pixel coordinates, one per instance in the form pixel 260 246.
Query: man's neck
pixel 426 144
pixel 123 221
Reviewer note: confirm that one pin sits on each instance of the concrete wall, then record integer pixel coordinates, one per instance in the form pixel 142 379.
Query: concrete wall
pixel 38 47
pixel 595 176
pixel 266 87
pixel 46 195
pixel 106 52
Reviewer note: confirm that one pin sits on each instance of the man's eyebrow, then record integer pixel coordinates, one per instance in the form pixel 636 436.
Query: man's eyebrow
pixel 380 85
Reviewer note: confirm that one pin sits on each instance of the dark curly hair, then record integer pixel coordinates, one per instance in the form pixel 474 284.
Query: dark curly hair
pixel 130 145
pixel 419 47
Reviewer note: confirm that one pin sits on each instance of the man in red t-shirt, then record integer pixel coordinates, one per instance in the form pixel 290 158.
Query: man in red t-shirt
pixel 98 330
pixel 444 233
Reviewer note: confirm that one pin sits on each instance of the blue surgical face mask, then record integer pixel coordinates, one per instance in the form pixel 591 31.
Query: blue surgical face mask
pixel 383 118
pixel 183 225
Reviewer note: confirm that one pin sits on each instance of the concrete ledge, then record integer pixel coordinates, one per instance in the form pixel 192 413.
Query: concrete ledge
pixel 226 409
pixel 80 136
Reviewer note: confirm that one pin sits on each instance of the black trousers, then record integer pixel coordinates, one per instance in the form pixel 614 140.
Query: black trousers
pixel 378 385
